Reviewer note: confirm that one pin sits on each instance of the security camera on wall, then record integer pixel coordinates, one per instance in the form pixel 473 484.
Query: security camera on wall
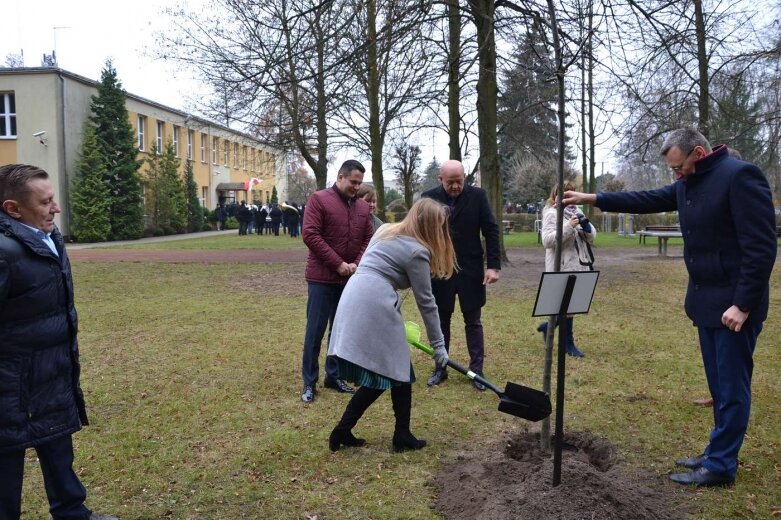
pixel 40 135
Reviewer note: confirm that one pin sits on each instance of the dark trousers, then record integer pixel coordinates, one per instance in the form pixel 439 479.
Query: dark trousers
pixel 242 228
pixel 467 288
pixel 64 490
pixel 320 311
pixel 729 364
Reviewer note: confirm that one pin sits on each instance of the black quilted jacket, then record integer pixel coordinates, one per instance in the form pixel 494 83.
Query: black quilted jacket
pixel 40 397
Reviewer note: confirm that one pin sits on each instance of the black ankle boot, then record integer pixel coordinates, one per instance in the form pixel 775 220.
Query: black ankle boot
pixel 403 441
pixel 341 438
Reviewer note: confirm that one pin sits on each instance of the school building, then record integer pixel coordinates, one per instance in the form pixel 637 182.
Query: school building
pixel 42 115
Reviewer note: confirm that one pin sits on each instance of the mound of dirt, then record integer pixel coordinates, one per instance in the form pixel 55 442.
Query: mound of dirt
pixel 514 481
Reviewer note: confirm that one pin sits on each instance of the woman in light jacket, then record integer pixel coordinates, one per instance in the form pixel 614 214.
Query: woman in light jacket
pixel 576 239
pixel 368 336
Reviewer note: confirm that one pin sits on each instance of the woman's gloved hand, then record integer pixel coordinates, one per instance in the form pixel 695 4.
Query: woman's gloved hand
pixel 440 356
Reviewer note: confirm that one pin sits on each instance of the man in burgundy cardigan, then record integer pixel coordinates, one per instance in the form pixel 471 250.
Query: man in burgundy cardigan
pixel 337 229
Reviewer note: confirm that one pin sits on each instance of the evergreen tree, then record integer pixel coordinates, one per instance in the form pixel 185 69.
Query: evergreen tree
pixel 528 125
pixel 430 176
pixel 89 197
pixel 118 146
pixel 274 198
pixel 194 210
pixel 166 206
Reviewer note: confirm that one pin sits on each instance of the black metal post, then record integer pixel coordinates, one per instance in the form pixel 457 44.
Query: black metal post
pixel 563 332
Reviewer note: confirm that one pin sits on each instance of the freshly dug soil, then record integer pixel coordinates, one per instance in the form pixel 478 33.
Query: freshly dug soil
pixel 514 481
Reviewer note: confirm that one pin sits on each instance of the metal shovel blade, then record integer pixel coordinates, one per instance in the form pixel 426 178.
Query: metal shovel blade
pixel 525 402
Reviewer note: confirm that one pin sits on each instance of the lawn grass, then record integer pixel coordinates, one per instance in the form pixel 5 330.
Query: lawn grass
pixel 192 380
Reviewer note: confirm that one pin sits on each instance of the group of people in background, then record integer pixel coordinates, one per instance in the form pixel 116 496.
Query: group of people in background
pixel 265 219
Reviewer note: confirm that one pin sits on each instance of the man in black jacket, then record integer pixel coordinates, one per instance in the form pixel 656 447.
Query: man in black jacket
pixel 725 208
pixel 41 402
pixel 470 215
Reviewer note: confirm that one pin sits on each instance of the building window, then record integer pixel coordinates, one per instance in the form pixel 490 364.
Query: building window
pixel 190 137
pixel 7 115
pixel 176 141
pixel 204 196
pixel 203 148
pixel 235 155
pixel 141 131
pixel 225 149
pixel 252 159
pixel 159 137
pixel 215 147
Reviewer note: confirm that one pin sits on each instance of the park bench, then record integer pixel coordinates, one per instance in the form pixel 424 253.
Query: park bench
pixel 654 229
pixel 662 234
pixel 508 225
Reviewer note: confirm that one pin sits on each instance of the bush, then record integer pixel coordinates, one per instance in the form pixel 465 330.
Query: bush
pixel 231 223
pixel 207 227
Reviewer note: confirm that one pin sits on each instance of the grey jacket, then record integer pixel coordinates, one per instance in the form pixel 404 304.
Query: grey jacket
pixel 368 329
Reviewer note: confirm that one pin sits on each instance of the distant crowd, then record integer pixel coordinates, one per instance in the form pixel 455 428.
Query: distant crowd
pixel 263 219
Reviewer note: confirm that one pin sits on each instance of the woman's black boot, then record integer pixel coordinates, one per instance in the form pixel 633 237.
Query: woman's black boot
pixel 402 407
pixel 342 435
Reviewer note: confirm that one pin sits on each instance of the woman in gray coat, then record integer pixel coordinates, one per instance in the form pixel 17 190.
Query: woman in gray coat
pixel 368 336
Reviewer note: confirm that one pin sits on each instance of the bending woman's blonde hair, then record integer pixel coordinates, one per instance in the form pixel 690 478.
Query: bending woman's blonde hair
pixel 428 223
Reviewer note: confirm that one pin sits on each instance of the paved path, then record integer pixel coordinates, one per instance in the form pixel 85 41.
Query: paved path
pixel 149 240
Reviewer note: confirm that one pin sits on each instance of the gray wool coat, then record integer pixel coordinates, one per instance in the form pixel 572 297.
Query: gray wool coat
pixel 368 329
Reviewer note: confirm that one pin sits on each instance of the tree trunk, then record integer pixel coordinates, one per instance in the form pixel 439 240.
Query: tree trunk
pixel 491 181
pixel 453 76
pixel 375 135
pixel 702 61
pixel 545 437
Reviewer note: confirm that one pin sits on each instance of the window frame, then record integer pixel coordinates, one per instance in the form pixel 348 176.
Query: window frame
pixel 159 136
pixel 8 115
pixel 176 140
pixel 140 133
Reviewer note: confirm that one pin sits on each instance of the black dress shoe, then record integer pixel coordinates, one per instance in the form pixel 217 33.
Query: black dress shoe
pixel 437 377
pixel 308 395
pixel 480 387
pixel 703 477
pixel 338 385
pixel 691 462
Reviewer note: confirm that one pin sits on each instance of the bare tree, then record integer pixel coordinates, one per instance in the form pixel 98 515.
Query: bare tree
pixel 406 164
pixel 391 64
pixel 271 63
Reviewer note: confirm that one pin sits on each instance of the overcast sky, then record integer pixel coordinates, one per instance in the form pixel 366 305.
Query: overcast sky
pixel 85 33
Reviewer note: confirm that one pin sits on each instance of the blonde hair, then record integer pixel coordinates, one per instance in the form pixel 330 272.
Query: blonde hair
pixel 428 222
pixel 366 192
pixel 554 192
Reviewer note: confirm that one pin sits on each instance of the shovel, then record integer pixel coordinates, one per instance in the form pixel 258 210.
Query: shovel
pixel 517 400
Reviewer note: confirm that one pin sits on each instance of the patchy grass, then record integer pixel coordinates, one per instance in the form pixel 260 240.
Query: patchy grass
pixel 192 382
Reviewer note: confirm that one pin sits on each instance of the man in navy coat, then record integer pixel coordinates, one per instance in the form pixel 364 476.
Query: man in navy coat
pixel 41 402
pixel 470 215
pixel 727 220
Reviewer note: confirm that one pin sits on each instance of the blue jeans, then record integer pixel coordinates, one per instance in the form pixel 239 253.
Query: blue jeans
pixel 728 360
pixel 64 490
pixel 320 312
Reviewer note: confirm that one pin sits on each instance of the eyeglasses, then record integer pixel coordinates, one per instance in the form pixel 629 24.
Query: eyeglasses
pixel 677 169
